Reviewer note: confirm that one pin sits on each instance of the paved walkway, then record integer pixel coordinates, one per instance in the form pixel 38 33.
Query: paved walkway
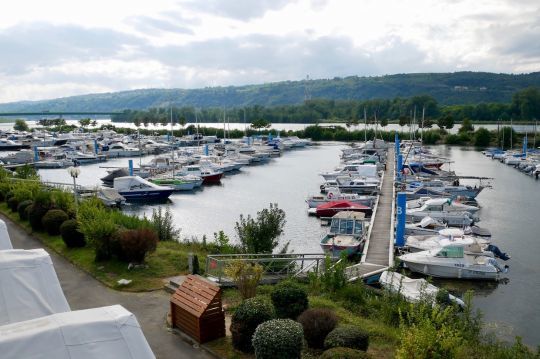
pixel 83 292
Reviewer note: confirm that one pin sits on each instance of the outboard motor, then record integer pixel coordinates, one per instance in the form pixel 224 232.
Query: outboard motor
pixel 497 252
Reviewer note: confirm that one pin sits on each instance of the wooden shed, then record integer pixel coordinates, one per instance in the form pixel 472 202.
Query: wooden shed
pixel 196 309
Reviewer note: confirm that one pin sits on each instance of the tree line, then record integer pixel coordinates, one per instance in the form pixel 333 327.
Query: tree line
pixel 525 105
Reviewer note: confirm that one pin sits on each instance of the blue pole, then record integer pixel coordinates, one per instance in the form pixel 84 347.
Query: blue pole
pixel 206 150
pixel 270 136
pixel 96 148
pixel 525 146
pixel 36 154
pixel 130 165
pixel 400 214
pixel 396 143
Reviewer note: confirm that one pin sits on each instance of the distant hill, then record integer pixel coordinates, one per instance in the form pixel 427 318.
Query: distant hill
pixel 447 88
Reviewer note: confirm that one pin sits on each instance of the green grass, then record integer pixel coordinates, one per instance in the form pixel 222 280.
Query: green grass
pixel 169 259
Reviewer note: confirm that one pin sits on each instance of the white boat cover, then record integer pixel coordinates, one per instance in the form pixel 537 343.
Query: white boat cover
pixel 29 287
pixel 99 333
pixel 413 290
pixel 5 241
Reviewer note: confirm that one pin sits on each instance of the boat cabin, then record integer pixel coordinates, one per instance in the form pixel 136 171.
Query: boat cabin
pixel 348 223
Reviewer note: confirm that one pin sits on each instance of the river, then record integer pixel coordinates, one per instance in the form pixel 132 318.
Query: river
pixel 510 210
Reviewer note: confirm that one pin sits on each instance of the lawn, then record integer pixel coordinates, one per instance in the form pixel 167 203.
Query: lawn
pixel 169 259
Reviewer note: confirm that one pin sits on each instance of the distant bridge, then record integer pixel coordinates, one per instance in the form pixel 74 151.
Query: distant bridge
pixel 60 113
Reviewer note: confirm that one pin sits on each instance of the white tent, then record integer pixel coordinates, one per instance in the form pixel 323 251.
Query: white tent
pixel 5 241
pixel 29 287
pixel 100 333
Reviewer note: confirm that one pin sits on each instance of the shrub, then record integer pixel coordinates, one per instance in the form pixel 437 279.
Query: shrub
pixel 348 336
pixel 246 277
pixel 53 219
pixel 289 299
pixel 261 235
pixel 482 137
pixel 344 353
pixel 98 227
pixel 136 243
pixel 12 203
pixel 8 195
pixel 35 215
pixel 164 225
pixel 21 208
pixel 317 323
pixel 71 235
pixel 278 339
pixel 246 318
pixel 63 200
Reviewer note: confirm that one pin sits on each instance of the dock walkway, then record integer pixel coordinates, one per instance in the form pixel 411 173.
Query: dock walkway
pixel 377 254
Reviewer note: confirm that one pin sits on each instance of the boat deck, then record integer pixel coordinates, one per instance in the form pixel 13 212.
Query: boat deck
pixel 379 245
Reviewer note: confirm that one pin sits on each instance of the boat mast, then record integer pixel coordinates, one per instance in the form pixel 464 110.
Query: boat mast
pixel 365 125
pixel 511 129
pixel 534 138
pixel 413 125
pixel 422 129
pixel 245 128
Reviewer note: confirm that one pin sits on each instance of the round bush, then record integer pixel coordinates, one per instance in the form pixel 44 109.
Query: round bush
pixel 344 353
pixel 21 208
pixel 35 214
pixel 278 339
pixel 8 195
pixel 317 323
pixel 246 318
pixel 71 235
pixel 136 243
pixel 12 203
pixel 53 219
pixel 289 299
pixel 347 336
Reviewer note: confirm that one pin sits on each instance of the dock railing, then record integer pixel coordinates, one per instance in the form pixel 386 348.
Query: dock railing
pixel 275 266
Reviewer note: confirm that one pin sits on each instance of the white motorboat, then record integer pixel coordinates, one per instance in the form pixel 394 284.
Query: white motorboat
pixel 366 170
pixel 9 145
pixel 439 212
pixel 134 188
pixel 348 231
pixel 334 194
pixel 453 261
pixel 445 236
pixel 413 290
pixel 439 204
pixel 358 185
pixel 121 150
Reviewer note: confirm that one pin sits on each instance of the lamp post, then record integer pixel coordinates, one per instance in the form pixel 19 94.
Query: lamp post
pixel 74 173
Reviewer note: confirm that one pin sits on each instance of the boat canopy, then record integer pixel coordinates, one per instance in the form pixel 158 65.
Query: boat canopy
pixel 29 288
pixel 347 222
pixel 108 332
pixel 134 183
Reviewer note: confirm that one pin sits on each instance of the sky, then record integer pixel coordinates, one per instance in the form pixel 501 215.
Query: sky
pixel 59 48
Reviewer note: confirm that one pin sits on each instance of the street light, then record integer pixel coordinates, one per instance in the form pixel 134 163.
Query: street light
pixel 74 172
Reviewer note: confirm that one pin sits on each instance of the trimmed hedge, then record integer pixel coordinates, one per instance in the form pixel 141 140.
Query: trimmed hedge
pixel 317 323
pixel 344 353
pixel 13 203
pixel 35 215
pixel 134 244
pixel 289 299
pixel 21 208
pixel 249 314
pixel 53 219
pixel 71 235
pixel 278 339
pixel 348 336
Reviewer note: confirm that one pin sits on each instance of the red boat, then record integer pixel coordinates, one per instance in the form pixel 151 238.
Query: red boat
pixel 331 208
pixel 210 177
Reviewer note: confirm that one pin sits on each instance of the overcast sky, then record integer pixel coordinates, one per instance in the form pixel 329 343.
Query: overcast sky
pixel 58 48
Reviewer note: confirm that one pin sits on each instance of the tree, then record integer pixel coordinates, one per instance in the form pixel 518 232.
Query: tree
pixel 526 103
pixel 384 122
pixel 85 122
pixel 260 123
pixel 21 125
pixel 449 122
pixel 482 137
pixel 403 120
pixel 261 235
pixel 466 126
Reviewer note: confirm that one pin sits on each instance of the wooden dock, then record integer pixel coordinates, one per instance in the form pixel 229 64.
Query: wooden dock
pixel 378 251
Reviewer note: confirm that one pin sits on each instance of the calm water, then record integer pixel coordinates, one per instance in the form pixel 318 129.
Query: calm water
pixel 213 127
pixel 511 210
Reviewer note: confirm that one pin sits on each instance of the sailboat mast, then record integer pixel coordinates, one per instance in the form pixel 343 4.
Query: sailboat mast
pixel 422 129
pixel 365 125
pixel 511 129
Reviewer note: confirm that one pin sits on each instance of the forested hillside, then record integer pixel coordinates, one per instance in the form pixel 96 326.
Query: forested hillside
pixel 445 88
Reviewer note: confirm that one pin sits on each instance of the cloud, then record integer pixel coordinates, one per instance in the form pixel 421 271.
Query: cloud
pixel 30 45
pixel 243 10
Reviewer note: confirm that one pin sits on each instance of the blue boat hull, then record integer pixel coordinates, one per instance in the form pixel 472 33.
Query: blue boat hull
pixel 159 195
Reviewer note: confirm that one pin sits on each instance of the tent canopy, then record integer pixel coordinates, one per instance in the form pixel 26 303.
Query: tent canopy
pixel 5 241
pixel 29 287
pixel 99 333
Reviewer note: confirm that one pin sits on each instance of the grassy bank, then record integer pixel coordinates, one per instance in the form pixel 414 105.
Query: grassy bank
pixel 169 259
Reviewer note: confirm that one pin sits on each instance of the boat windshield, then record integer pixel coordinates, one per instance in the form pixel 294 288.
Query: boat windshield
pixel 451 252
pixel 346 226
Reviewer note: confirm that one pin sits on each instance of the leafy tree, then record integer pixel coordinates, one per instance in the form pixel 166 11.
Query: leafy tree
pixel 21 125
pixel 482 137
pixel 261 235
pixel 403 120
pixel 85 122
pixel 260 123
pixel 466 126
pixel 526 103
pixel 384 122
